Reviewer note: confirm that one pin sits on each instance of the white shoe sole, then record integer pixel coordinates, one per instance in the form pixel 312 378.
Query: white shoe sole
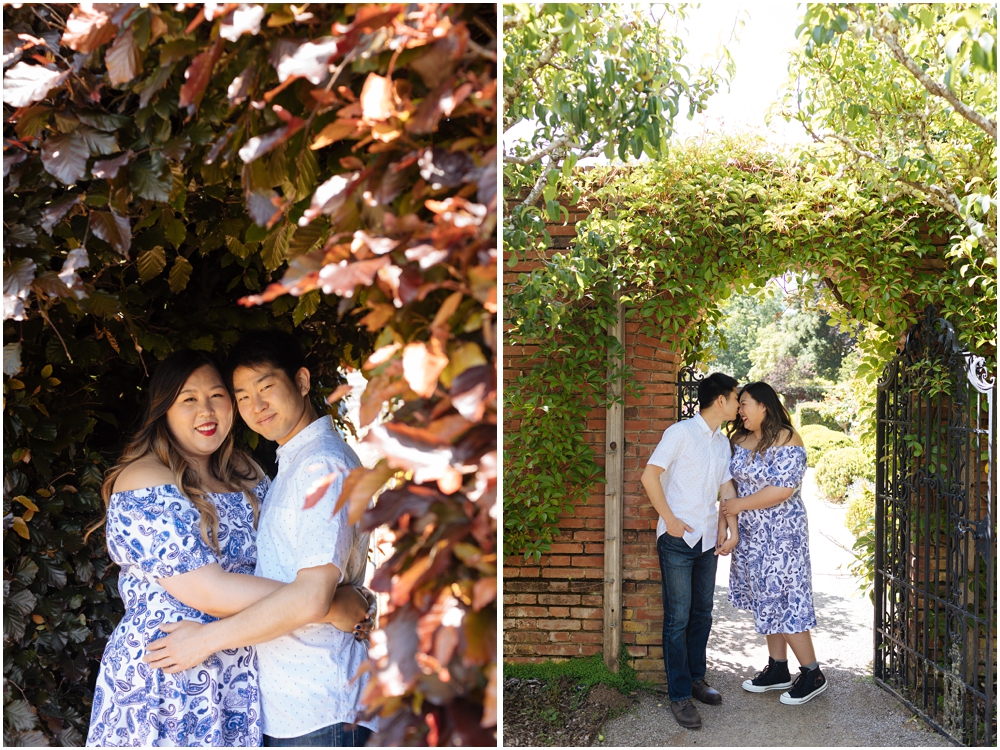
pixel 788 700
pixel 751 688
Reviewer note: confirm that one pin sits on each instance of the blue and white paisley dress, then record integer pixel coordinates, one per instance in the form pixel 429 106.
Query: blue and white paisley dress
pixel 770 573
pixel 153 533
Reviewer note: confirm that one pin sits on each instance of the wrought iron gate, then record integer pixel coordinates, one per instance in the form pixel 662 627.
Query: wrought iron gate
pixel 935 534
pixel 688 378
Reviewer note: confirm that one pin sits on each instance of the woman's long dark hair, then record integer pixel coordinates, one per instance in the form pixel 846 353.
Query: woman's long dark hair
pixel 776 418
pixel 228 465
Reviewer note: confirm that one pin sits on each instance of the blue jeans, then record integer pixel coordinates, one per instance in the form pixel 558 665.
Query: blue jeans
pixel 688 595
pixel 335 735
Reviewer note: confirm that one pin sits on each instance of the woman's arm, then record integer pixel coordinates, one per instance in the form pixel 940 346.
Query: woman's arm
pixel 220 594
pixel 766 497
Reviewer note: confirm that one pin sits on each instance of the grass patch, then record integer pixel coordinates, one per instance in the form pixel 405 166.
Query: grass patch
pixel 588 671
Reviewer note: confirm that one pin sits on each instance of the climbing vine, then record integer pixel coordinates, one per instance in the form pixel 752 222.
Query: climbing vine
pixel 674 237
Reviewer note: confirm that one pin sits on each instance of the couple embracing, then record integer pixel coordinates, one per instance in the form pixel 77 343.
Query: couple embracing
pixel 757 472
pixel 245 619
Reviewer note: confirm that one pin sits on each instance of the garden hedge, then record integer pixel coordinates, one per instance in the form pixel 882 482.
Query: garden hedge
pixel 175 175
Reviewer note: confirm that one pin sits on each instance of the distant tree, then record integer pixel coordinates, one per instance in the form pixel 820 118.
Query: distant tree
pixel 734 341
pixel 799 355
pixel 592 79
pixel 905 95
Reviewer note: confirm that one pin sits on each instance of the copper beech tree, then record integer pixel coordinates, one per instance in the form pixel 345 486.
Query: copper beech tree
pixel 174 174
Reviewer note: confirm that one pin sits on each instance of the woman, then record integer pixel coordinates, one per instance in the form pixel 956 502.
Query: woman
pixel 770 572
pixel 181 510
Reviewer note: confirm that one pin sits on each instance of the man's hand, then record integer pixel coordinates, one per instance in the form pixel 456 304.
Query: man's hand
pixel 728 545
pixel 676 527
pixel 183 648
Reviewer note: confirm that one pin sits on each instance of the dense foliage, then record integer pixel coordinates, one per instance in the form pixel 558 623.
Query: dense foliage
pixel 899 99
pixel 675 237
pixel 162 163
pixel 839 468
pixel 583 79
pixel 820 440
pixel 732 343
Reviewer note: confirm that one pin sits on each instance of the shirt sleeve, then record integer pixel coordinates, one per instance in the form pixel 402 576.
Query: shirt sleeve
pixel 322 536
pixel 160 532
pixel 788 466
pixel 666 450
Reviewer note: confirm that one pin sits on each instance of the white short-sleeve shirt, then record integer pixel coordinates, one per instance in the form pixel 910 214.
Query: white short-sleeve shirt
pixel 307 676
pixel 695 462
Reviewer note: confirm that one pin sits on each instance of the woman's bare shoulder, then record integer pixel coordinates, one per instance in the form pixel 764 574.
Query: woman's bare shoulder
pixel 789 436
pixel 148 471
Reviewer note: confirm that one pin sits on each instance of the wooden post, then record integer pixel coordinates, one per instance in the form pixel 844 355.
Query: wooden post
pixel 614 471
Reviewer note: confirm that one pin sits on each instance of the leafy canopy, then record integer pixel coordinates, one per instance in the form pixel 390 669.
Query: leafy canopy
pixel 333 168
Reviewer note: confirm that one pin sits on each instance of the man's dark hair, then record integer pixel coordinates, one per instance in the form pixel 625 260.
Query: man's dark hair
pixel 715 385
pixel 268 347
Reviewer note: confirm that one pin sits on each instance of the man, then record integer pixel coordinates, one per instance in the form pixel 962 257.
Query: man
pixel 307 668
pixel 683 480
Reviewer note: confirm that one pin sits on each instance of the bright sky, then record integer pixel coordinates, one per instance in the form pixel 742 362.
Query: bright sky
pixel 761 57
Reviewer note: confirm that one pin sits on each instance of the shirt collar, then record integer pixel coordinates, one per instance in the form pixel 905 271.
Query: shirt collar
pixel 322 426
pixel 703 425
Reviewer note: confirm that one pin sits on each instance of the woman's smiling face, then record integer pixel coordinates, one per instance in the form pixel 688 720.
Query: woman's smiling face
pixel 202 414
pixel 752 412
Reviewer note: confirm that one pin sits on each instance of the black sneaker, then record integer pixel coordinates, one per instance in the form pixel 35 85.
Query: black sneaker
pixel 808 685
pixel 775 676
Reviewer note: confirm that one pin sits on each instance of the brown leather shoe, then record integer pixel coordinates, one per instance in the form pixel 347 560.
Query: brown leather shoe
pixel 705 693
pixel 686 714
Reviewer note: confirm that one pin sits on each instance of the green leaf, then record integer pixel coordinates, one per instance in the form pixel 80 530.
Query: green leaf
pixel 151 263
pixel 308 304
pixel 150 182
pixel 180 273
pixel 275 248
pixel 176 231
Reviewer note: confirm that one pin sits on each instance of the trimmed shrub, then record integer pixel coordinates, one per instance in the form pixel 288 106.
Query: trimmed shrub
pixel 819 439
pixel 839 468
pixel 860 499
pixel 811 412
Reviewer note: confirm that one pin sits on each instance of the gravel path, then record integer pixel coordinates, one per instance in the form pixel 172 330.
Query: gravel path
pixel 852 712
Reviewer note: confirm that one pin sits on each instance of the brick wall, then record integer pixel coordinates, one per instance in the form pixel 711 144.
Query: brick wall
pixel 553 608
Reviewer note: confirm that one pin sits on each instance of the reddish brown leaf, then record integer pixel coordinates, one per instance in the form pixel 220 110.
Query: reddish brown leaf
pixel 197 76
pixel 260 145
pixel 318 488
pixel 473 391
pixel 428 255
pixel 376 98
pixel 331 196
pixel 360 487
pixel 65 157
pixel 380 315
pixel 381 355
pixel 245 19
pixel 89 26
pixel 484 285
pixel 378 392
pixel 441 58
pixel 394 648
pixel 484 592
pixel 335 131
pixel 24 83
pixel 441 102
pixel 107 169
pixel 309 60
pixel 76 260
pixel 124 58
pixel 427 463
pixel 480 630
pixel 53 212
pixel 239 89
pixel 342 278
pixel 422 366
pixel 114 229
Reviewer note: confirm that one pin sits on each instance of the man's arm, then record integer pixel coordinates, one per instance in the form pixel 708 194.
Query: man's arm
pixel 651 483
pixel 288 608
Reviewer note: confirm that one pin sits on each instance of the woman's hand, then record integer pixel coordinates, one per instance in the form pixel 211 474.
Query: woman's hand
pixel 732 507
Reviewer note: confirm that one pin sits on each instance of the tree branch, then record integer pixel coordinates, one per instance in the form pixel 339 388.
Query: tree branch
pixel 984 123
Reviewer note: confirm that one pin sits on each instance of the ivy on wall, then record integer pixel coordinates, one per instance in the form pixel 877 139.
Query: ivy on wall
pixel 674 237
pixel 333 169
